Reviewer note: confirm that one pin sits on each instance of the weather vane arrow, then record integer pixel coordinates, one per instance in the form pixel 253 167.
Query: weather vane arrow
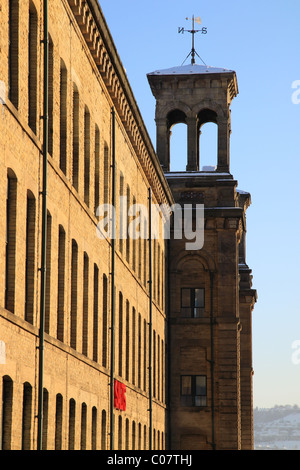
pixel 193 31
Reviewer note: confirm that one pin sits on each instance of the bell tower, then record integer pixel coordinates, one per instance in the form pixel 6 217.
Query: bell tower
pixel 193 94
pixel 210 289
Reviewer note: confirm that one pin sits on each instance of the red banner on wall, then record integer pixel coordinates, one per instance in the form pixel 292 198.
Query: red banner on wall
pixel 119 396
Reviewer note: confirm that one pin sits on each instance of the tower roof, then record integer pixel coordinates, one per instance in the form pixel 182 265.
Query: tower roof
pixel 191 69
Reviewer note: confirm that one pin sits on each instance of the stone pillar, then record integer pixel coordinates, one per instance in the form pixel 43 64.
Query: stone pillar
pixel 223 146
pixel 193 158
pixel 163 143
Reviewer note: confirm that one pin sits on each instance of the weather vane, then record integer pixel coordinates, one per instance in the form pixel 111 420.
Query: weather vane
pixel 193 31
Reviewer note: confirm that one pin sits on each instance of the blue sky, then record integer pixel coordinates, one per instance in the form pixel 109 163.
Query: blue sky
pixel 260 40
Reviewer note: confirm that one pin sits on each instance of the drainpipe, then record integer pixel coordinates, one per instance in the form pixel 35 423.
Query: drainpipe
pixel 44 230
pixel 212 361
pixel 112 353
pixel 150 320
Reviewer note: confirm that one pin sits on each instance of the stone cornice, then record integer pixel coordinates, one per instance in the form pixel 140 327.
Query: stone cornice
pixel 95 31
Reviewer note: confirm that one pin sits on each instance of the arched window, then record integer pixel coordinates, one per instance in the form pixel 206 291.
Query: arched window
pixel 94 428
pixel 61 283
pixel 154 364
pixel 45 418
pixel 13 53
pixel 208 139
pixel 121 209
pixel 7 408
pixel 145 355
pixel 83 426
pixel 103 430
pixel 95 313
pixel 120 433
pixel 140 437
pixel 177 128
pixel 32 66
pixel 30 258
pixel 127 434
pixel 11 228
pixel 48 274
pixel 26 418
pixel 133 345
pixel 120 334
pixel 178 147
pixel 104 321
pixel 97 169
pixel 50 96
pixel 145 437
pixel 139 350
pixel 127 341
pixel 75 152
pixel 58 422
pixel 63 117
pixel 85 313
pixel 87 151
pixel 74 294
pixel 128 221
pixel 106 174
pixel 133 436
pixel 72 410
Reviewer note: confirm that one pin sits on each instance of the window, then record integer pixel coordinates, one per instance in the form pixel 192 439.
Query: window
pixel 106 174
pixel 120 333
pixel 121 229
pixel 50 97
pixel 63 117
pixel 30 258
pixel 11 228
pixel 193 390
pixel 72 410
pixel 26 418
pixel 95 320
pixel 75 162
pixel 7 410
pixel 192 302
pixel 74 298
pixel 104 322
pixel 87 137
pixel 58 422
pixel 61 284
pixel 83 426
pixel 133 346
pixel 85 315
pixel 94 428
pixel 48 274
pixel 32 66
pixel 127 341
pixel 13 52
pixel 103 430
pixel 97 169
pixel 45 418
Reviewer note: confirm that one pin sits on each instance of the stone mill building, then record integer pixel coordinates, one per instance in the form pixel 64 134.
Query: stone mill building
pixel 109 341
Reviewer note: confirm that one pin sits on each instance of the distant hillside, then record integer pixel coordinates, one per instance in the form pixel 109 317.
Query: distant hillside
pixel 277 428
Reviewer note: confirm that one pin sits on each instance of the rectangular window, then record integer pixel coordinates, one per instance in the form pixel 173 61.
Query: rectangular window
pixel 193 390
pixel 192 302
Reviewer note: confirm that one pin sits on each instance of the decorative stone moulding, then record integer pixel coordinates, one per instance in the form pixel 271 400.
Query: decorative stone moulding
pixel 109 74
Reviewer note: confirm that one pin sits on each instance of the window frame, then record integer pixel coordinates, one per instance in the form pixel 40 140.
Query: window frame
pixel 190 399
pixel 192 307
